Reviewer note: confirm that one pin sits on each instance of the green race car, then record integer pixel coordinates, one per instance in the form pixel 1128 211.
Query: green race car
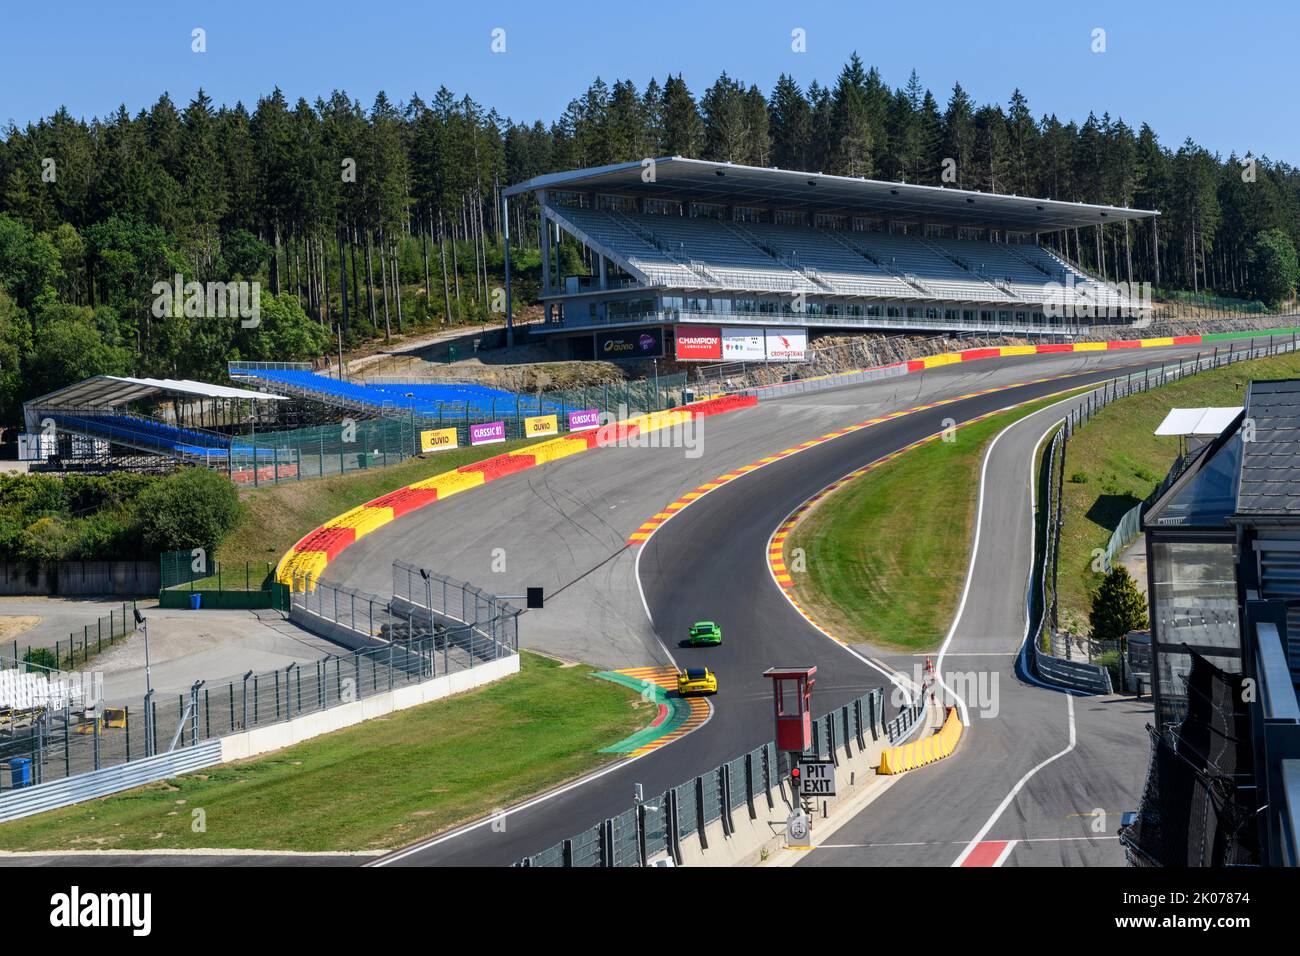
pixel 704 634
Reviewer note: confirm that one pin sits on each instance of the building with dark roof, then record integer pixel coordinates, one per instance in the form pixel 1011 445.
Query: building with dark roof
pixel 1223 566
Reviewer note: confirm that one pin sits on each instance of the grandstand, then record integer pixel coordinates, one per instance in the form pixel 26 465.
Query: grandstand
pixel 92 425
pixel 677 242
pixel 426 400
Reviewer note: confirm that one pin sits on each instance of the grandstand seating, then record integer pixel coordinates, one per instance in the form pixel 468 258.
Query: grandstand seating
pixel 428 400
pixel 151 435
pixel 749 256
pixel 20 691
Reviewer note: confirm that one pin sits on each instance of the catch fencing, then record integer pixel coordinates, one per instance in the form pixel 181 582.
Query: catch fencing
pixel 1084 663
pixel 654 830
pixel 459 625
pixel 82 645
pixel 63 735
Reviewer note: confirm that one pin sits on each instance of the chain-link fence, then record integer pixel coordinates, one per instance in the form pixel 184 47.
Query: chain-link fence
pixel 46 734
pixel 190 579
pixel 81 646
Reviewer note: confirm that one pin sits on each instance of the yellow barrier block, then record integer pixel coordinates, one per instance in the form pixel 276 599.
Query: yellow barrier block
pixel 451 482
pixel 362 520
pixel 553 449
pixel 948 358
pixel 1089 346
pixel 657 420
pixel 303 565
pixel 938 745
pixel 1007 350
pixel 1156 343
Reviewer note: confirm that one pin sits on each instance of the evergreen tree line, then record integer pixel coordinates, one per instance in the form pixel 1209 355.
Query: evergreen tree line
pixel 365 223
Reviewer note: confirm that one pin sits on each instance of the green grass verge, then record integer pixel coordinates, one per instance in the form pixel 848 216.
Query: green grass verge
pixel 275 517
pixel 1114 462
pixel 887 553
pixel 381 784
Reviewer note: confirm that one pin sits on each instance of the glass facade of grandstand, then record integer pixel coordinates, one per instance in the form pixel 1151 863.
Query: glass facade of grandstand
pixel 670 251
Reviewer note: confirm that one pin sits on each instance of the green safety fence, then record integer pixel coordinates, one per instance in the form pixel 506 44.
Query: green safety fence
pixel 190 575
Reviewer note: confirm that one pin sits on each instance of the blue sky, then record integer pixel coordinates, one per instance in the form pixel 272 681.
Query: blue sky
pixel 1211 71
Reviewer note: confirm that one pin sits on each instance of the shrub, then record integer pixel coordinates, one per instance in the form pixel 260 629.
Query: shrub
pixel 1079 478
pixel 41 657
pixel 1118 607
pixel 190 508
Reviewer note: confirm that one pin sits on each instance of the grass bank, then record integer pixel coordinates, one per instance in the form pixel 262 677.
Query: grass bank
pixel 381 784
pixel 275 517
pixel 1114 462
pixel 887 553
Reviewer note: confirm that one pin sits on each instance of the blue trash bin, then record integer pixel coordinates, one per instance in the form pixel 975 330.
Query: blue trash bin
pixel 20 772
pixel 196 601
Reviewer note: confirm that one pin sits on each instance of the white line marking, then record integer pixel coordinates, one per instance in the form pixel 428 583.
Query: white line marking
pixel 886 846
pixel 1006 801
pixel 1006 852
pixel 581 781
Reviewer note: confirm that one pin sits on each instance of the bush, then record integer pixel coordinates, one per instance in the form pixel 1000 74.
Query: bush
pixel 191 508
pixel 1079 478
pixel 41 657
pixel 1118 607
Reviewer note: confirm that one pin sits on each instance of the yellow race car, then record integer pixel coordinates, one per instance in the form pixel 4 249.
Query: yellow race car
pixel 696 680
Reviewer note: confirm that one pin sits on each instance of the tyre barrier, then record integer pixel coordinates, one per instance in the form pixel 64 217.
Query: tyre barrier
pixel 925 751
pixel 307 559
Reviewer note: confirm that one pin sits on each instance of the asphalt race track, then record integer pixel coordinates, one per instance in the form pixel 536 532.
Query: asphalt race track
pixel 1088 774
pixel 565 526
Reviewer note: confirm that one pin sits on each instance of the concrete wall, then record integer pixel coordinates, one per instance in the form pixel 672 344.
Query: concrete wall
pixel 338 633
pixel 261 740
pixel 122 578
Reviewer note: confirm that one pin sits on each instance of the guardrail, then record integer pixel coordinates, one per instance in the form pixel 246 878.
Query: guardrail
pixel 98 783
pixel 722 811
pixel 1084 674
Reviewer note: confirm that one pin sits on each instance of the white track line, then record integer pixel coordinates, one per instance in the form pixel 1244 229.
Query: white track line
pixel 1006 801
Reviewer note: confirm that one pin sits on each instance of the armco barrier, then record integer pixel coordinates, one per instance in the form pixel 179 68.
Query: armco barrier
pixel 98 783
pixel 316 549
pixel 926 750
pixel 736 811
pixel 1084 675
pixel 858 376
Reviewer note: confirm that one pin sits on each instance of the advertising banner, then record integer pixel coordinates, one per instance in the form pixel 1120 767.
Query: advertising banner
pixel 743 345
pixel 487 434
pixel 787 345
pixel 438 439
pixel 584 420
pixel 541 425
pixel 630 344
pixel 699 343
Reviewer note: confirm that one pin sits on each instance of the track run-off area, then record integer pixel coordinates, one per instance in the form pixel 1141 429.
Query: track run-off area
pixel 565 526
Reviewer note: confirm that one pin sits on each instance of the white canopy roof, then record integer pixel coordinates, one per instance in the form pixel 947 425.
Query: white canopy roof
pixel 1197 421
pixel 107 391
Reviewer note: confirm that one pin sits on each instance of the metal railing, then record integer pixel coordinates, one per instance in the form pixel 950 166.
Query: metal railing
pixel 1070 659
pixel 452 625
pixel 81 646
pixel 654 829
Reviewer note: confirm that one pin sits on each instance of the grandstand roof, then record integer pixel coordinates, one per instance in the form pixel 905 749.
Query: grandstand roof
pixel 697 180
pixel 106 391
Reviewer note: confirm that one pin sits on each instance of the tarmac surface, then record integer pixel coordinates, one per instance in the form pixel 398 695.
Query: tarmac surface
pixel 567 523
pixel 564 526
pixel 1041 777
